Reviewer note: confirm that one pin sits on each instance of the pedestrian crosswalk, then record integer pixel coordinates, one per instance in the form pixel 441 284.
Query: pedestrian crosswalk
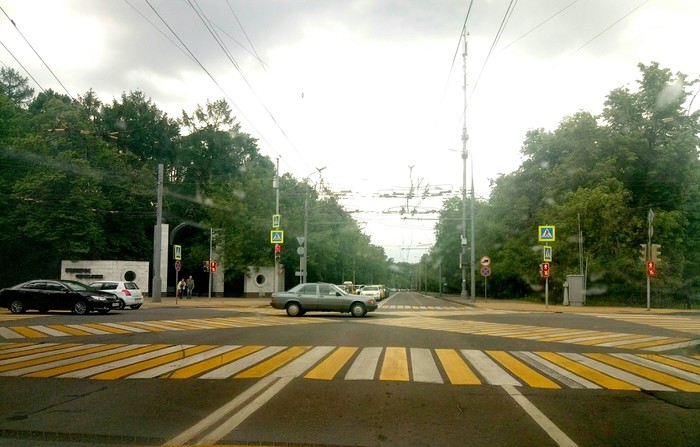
pixel 690 324
pixel 65 330
pixel 541 334
pixel 535 369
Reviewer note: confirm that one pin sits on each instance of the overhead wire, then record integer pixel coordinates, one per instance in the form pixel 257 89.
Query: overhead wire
pixel 223 47
pixel 23 67
pixel 37 53
pixel 197 61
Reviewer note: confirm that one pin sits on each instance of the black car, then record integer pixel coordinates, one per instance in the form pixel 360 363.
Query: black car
pixel 47 294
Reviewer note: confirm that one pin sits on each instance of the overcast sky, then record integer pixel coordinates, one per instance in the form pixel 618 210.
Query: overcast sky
pixel 364 94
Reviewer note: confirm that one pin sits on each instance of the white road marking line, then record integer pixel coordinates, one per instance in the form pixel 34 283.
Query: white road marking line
pixel 617 373
pixel 124 362
pixel 260 387
pixel 230 369
pixel 423 366
pixel 365 365
pixel 490 371
pixel 303 363
pixel 543 421
pixel 181 363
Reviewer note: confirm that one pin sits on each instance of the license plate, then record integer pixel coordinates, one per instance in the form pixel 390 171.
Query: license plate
pixel 115 304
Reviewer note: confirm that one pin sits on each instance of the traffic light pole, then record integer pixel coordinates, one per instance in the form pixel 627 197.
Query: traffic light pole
pixel 650 219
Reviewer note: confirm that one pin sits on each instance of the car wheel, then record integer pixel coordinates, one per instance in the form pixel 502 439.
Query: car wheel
pixel 80 308
pixel 294 310
pixel 135 306
pixel 17 307
pixel 122 304
pixel 358 310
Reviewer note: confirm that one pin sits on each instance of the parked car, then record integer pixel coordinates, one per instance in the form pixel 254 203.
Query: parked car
pixel 322 297
pixel 372 291
pixel 44 295
pixel 128 292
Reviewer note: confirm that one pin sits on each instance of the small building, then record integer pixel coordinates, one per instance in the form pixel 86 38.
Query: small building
pixel 89 271
pixel 260 282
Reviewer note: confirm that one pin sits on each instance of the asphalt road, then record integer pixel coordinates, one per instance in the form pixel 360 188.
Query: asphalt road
pixel 420 371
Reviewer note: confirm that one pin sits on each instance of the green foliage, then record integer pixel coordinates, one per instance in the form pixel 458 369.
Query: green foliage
pixel 80 183
pixel 597 178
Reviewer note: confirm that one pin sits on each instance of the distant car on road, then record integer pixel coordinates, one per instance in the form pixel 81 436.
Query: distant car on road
pixel 322 297
pixel 372 291
pixel 128 292
pixel 45 295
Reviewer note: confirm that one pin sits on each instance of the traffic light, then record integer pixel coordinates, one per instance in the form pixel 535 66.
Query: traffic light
pixel 278 252
pixel 544 270
pixel 205 266
pixel 651 268
pixel 655 252
pixel 213 266
pixel 643 253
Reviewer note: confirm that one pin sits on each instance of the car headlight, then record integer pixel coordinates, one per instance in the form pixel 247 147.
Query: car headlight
pixel 98 298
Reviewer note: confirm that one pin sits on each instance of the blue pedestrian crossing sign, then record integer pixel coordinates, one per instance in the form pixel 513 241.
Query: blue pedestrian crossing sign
pixel 546 233
pixel 277 237
pixel 547 251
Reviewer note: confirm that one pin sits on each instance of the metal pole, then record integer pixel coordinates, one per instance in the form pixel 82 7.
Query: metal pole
pixel 306 235
pixel 276 185
pixel 465 137
pixel 473 240
pixel 211 238
pixel 157 236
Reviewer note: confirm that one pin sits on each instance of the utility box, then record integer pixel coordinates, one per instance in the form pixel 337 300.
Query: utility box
pixel 576 290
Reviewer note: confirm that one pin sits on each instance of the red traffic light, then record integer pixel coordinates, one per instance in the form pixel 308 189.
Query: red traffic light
pixel 213 266
pixel 544 270
pixel 651 268
pixel 278 248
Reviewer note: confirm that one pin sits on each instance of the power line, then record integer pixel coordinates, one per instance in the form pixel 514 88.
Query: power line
pixel 37 54
pixel 23 67
pixel 541 23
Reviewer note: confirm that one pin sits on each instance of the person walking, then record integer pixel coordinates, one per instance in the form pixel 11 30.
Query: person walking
pixel 181 288
pixel 190 287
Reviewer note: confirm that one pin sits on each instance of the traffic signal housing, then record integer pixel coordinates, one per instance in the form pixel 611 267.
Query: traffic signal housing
pixel 655 252
pixel 278 252
pixel 544 270
pixel 651 268
pixel 643 252
pixel 205 266
pixel 213 266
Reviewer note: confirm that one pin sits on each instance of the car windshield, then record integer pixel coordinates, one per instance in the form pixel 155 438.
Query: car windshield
pixel 78 286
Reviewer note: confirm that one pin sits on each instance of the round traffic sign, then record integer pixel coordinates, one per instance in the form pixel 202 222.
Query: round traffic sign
pixel 178 265
pixel 485 271
pixel 485 261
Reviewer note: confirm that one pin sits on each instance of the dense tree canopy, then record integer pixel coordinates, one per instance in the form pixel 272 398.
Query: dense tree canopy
pixel 598 176
pixel 79 179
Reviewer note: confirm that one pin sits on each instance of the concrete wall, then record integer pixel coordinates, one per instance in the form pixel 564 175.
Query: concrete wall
pixel 260 281
pixel 88 271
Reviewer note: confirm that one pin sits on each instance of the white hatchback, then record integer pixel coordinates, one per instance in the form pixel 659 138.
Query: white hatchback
pixel 128 292
pixel 372 292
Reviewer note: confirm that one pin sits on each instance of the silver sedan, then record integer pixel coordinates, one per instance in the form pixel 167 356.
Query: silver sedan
pixel 321 297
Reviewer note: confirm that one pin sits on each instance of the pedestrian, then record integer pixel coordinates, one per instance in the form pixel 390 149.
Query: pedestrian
pixel 181 288
pixel 190 286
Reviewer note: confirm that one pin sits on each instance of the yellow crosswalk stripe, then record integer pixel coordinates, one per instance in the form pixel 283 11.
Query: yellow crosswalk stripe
pixel 456 369
pixel 202 367
pixel 671 362
pixel 57 356
pixel 35 350
pixel 587 372
pixel 643 371
pixel 521 370
pixel 328 368
pixel 395 365
pixel 273 363
pixel 68 329
pixel 141 366
pixel 28 332
pixel 104 327
pixel 649 344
